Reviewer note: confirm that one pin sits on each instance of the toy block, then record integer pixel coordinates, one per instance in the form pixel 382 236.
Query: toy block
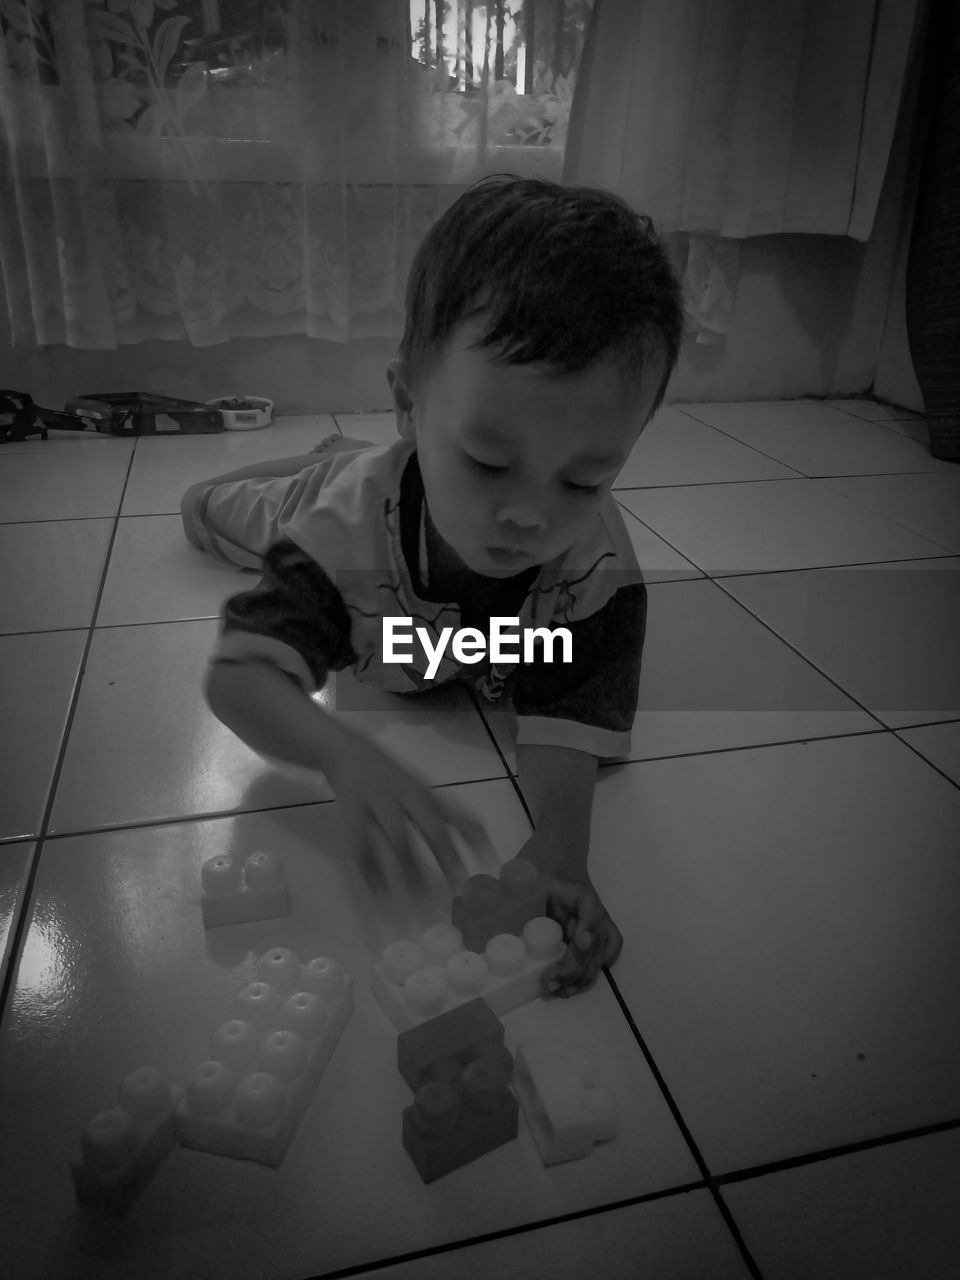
pixel 487 906
pixel 121 1149
pixel 236 892
pixel 440 1048
pixel 565 1108
pixel 455 1121
pixel 265 1063
pixel 414 982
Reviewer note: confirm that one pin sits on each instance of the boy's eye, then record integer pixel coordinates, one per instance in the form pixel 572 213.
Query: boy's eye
pixel 484 467
pixel 583 488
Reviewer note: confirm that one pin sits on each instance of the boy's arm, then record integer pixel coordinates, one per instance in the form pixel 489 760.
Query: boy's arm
pixel 558 784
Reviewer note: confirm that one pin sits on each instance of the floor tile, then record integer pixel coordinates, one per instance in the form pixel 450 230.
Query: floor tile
pixel 777 524
pixel 657 559
pixel 157 576
pixel 145 746
pixel 889 1213
pixel 889 636
pixel 714 678
pixel 928 505
pixel 822 443
pixel 677 1238
pixel 791 951
pixel 50 573
pixel 38 672
pixel 678 449
pixel 68 485
pixel 163 469
pixel 938 743
pixel 15 860
pixel 874 411
pixel 117 971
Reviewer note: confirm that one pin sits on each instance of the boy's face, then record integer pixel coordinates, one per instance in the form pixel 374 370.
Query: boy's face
pixel 515 462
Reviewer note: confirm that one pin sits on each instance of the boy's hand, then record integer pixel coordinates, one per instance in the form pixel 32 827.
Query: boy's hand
pixel 383 806
pixel 593 940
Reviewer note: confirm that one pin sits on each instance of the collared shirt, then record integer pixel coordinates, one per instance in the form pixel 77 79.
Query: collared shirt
pixel 344 543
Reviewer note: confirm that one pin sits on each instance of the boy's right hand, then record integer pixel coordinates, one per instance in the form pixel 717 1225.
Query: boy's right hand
pixel 383 806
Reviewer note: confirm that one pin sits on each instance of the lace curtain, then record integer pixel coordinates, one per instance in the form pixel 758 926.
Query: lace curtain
pixel 210 169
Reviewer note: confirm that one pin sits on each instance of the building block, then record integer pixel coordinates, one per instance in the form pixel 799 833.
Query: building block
pixel 122 1148
pixel 265 1063
pixel 487 906
pixel 440 1048
pixel 236 892
pixel 457 1120
pixel 565 1108
pixel 414 982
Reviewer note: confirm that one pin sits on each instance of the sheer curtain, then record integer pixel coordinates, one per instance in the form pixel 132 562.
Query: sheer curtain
pixel 732 118
pixel 209 169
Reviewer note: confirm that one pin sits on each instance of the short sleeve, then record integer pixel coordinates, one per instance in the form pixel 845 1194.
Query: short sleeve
pixel 295 618
pixel 589 703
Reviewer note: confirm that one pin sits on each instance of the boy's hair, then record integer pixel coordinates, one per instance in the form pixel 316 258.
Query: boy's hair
pixel 564 276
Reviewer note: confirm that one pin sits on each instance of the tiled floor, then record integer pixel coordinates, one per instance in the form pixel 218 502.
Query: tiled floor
pixel 781 852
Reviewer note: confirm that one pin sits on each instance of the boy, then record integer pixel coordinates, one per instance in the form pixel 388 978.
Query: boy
pixel 542 326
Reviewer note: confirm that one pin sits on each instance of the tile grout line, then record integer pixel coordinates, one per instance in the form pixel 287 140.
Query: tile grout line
pixel 660 1082
pixel 20 928
pixel 504 1233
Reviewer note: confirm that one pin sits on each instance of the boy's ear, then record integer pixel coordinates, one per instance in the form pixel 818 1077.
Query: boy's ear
pixel 398 382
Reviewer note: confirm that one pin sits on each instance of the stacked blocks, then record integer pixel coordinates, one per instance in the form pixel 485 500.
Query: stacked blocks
pixel 488 906
pixel 265 1063
pixel 414 982
pixel 459 1069
pixel 441 1048
pixel 234 892
pixel 566 1111
pixel 123 1148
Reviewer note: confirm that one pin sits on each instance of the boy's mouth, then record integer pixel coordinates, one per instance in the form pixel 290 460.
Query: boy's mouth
pixel 507 555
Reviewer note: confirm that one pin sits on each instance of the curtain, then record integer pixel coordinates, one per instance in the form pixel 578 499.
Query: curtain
pixel 208 169
pixel 731 118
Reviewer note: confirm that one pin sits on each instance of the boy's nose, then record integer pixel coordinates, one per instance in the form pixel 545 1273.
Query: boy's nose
pixel 526 514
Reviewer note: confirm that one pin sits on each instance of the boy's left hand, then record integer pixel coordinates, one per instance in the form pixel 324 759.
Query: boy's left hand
pixel 593 940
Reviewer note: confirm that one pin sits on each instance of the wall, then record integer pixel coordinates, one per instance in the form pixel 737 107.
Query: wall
pixel 814 315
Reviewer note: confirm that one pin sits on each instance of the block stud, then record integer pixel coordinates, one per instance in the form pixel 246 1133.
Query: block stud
pixel 108 1139
pixel 542 936
pixel 235 1044
pixel 146 1094
pixel 426 991
pixel 257 1003
pixel 260 1099
pixel 280 968
pixel 506 955
pixel 221 876
pixel 440 942
pixel 305 1013
pixel 263 870
pixel 209 1088
pixel 325 977
pixel 436 1108
pixel 485 1084
pixel 401 959
pixel 283 1054
pixel 467 973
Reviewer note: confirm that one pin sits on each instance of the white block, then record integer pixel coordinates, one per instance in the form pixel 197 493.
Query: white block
pixel 236 892
pixel 416 981
pixel 567 1112
pixel 247 1099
